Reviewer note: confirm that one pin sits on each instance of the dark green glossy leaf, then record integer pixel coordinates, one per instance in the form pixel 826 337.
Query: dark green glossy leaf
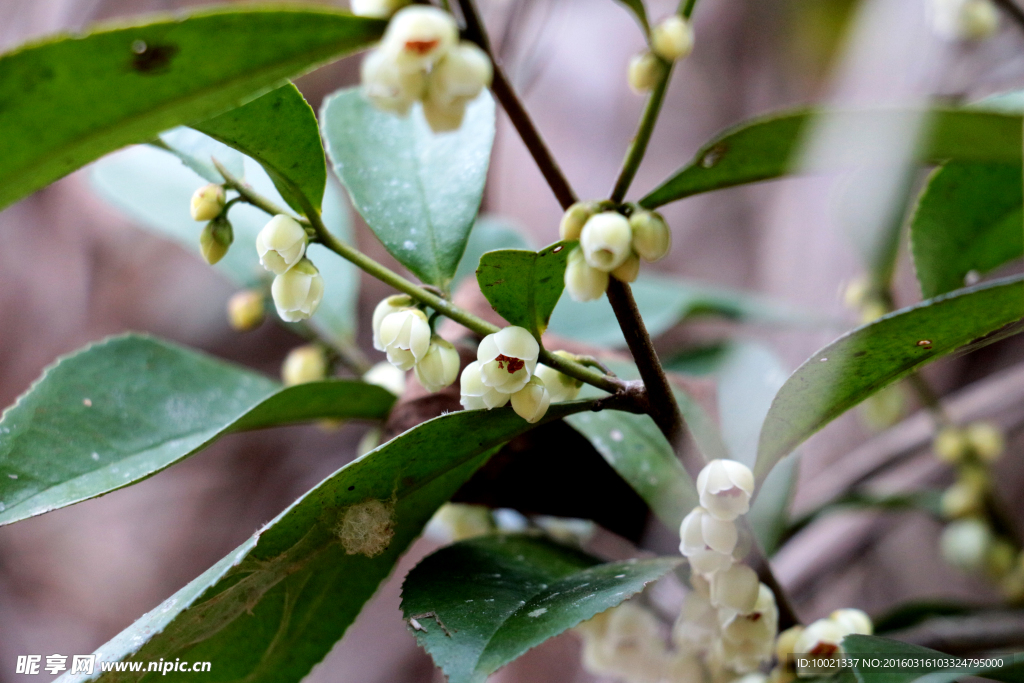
pixel 490 233
pixel 278 130
pixel 915 663
pixel 418 191
pixel 125 408
pixel 481 603
pixel 124 85
pixel 969 218
pixel 522 286
pixel 639 12
pixel 765 148
pixel 868 359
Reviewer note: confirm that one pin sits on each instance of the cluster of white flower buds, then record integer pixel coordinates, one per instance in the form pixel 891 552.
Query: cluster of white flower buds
pixel 506 369
pixel 964 20
pixel 670 40
pixel 403 332
pixel 207 205
pixel 298 286
pixel 420 59
pixel 610 245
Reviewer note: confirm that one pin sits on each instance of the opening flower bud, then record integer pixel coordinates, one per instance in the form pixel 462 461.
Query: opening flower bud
pixel 708 562
pixel 207 202
pixel 475 394
pixel 387 376
pixel 785 644
pixel 573 220
pixel 581 281
pixel 965 544
pixel 853 621
pixel 645 70
pixel 444 117
pixel 460 75
pixel 246 310
pixel 215 239
pixel 439 366
pixel 700 531
pixel 823 638
pixel 735 588
pixel 964 19
pixel 560 386
pixel 304 364
pixel 378 9
pixel 756 629
pixel 652 238
pixel 508 359
pixel 297 292
pixel 418 36
pixel 392 304
pixel 985 440
pixel 389 87
pixel 963 499
pixel 672 39
pixel 532 401
pixel 605 240
pixel 405 336
pixel 629 270
pixel 281 244
pixel 725 488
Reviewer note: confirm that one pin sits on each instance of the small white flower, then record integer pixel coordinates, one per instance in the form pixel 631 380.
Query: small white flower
pixel 532 401
pixel 281 244
pixel 629 270
pixel 964 19
pixel 951 445
pixel 963 499
pixel 735 588
pixel 297 292
pixel 986 441
pixel 378 9
pixel 645 69
pixel 626 642
pixel 965 544
pixel 386 375
pixel 508 359
pixel 823 638
pixel 853 621
pixel 573 220
pixel 708 562
pixel 460 75
pixel 701 531
pixel 439 367
pixel 405 336
pixel 581 281
pixel 562 387
pixel 477 395
pixel 606 240
pixel 215 239
pixel 652 238
pixel 304 364
pixel 725 488
pixel 672 39
pixel 759 625
pixel 392 304
pixel 785 644
pixel 697 626
pixel 207 202
pixel 418 36
pixel 389 87
pixel 246 310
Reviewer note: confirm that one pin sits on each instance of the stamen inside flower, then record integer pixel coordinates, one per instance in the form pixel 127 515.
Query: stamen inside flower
pixel 824 650
pixel 421 47
pixel 513 364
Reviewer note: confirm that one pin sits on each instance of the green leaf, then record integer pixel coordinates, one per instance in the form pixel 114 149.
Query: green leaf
pixel 868 359
pixel 522 286
pixel 639 12
pixel 275 606
pixel 969 218
pixel 123 409
pixel 765 148
pixel 490 233
pixel 911 614
pixel 279 130
pixel 419 192
pixel 481 603
pixel 915 663
pixel 69 100
pixel 154 189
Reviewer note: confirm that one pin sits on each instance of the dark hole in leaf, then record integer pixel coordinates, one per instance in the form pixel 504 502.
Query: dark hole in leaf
pixel 151 58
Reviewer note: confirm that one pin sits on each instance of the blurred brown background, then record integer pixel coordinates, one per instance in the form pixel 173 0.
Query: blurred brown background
pixel 72 270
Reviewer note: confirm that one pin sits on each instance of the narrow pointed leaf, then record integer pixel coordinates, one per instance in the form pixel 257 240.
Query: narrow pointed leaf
pixel 880 660
pixel 868 359
pixel 522 286
pixel 418 191
pixel 123 85
pixel 766 148
pixel 639 12
pixel 123 409
pixel 499 596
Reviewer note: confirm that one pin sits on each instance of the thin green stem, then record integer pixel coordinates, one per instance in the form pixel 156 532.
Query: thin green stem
pixel 638 148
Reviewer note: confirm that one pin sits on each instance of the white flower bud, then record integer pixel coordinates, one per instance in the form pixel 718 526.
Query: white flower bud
pixel 215 239
pixel 683 667
pixel 964 19
pixel 207 202
pixel 297 292
pixel 532 401
pixel 405 336
pixel 965 544
pixel 508 359
pixel 707 562
pixel 629 270
pixel 560 386
pixel 645 70
pixel 785 644
pixel 697 627
pixel 304 364
pixel 735 588
pixel 460 75
pixel 387 376
pixel 853 621
pixel 439 367
pixel 455 522
pixel 477 395
pixel 700 531
pixel 856 292
pixel 629 646
pixel 392 304
pixel 652 238
pixel 281 244
pixel 246 310
pixel 444 117
pixel 378 9
pixel 573 220
pixel 725 487
pixel 605 240
pixel 823 638
pixel 986 441
pixel 742 656
pixel 581 281
pixel 759 625
pixel 963 499
pixel 672 39
pixel 950 445
pixel 418 36
pixel 389 87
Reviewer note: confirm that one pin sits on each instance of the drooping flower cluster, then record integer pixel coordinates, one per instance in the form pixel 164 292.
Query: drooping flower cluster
pixel 670 40
pixel 403 332
pixel 610 245
pixel 420 59
pixel 208 204
pixel 298 286
pixel 964 20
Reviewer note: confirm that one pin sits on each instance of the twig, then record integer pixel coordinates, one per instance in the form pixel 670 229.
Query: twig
pixel 638 147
